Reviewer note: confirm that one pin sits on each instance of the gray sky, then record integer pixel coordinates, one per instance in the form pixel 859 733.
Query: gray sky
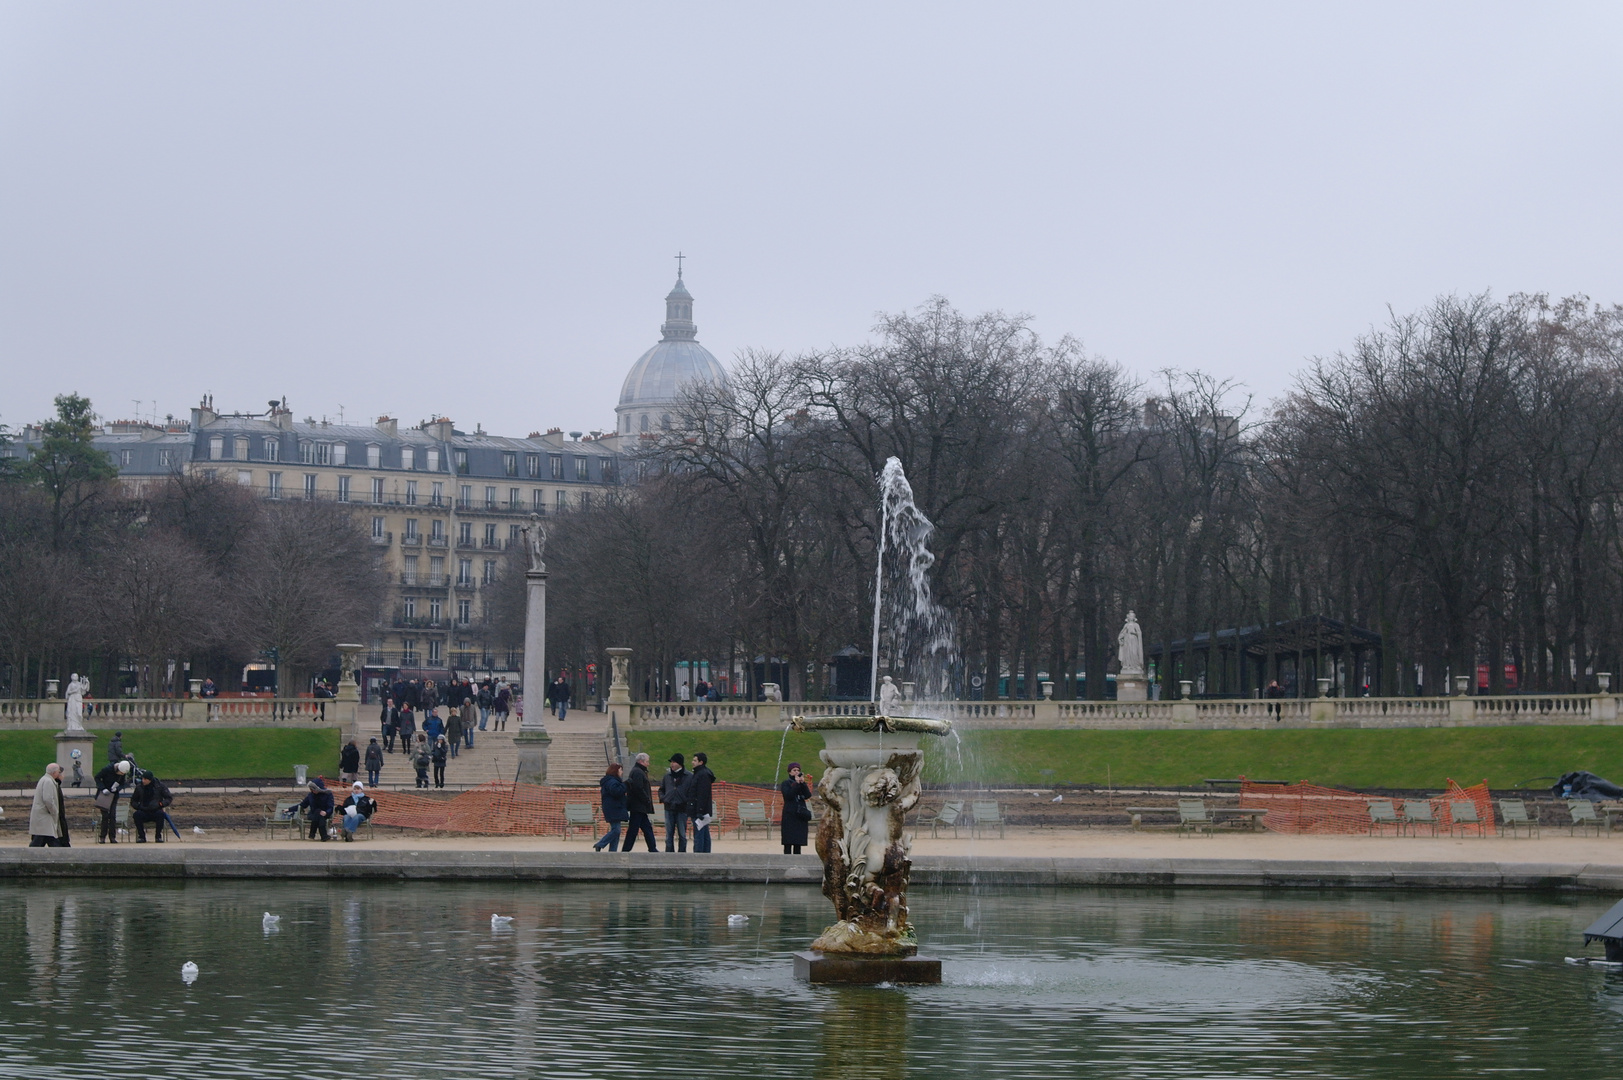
pixel 472 209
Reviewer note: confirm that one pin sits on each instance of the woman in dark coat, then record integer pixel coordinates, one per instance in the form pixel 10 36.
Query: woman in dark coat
pixel 614 807
pixel 795 791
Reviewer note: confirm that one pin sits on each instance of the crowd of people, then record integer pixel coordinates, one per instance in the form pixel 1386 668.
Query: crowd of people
pixel 688 798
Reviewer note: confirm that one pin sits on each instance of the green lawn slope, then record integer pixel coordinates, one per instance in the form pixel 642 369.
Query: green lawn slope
pixel 186 753
pixel 1407 758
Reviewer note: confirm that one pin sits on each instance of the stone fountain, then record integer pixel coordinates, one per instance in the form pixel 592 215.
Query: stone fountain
pixel 874 772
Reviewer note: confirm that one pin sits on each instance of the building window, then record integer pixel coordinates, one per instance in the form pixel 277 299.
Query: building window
pixel 515 499
pixel 408 457
pixel 490 498
pixel 307 451
pixel 411 531
pixel 309 485
pixel 605 470
pixel 436 531
pixel 586 500
pixel 377 528
pixel 557 463
pixel 166 458
pixel 374 456
pixel 562 501
pixel 411 570
pixel 490 571
pixel 343 489
pixel 124 458
pixel 210 474
pixel 513 534
pixel 642 423
pixel 411 493
pixel 340 453
pixel 433 460
pixel 581 470
pixel 538 499
pixel 461 461
pixel 245 477
pixel 408 652
pixel 438 496
pixel 377 489
pixel 464 571
pixel 532 466
pixel 464 534
pixel 436 570
pixel 273 449
pixel 435 610
pixel 464 612
pixel 216 447
pixel 509 463
pixel 324 453
pixel 434 652
pixel 273 485
pixel 409 606
pixel 464 495
pixel 241 449
pixel 490 536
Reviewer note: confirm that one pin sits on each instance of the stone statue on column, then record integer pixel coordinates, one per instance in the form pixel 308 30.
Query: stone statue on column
pixel 1131 684
pixel 74 698
pixel 888 693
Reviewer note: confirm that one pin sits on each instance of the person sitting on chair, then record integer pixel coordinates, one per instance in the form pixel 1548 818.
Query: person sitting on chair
pixel 361 804
pixel 148 802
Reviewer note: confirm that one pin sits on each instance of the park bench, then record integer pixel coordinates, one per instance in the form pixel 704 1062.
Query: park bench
pixel 987 816
pixel 1463 812
pixel 944 818
pixel 579 816
pixel 752 814
pixel 1382 813
pixel 1513 814
pixel 1192 816
pixel 1250 816
pixel 1582 813
pixel 1417 812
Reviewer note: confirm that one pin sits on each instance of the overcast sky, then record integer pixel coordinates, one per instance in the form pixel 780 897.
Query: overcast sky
pixel 471 209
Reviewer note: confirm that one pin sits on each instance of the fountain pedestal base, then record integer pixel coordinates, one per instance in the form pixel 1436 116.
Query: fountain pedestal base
pixel 854 970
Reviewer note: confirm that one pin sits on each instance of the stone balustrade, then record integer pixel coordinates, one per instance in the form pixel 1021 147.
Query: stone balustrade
pixel 1192 715
pixel 123 713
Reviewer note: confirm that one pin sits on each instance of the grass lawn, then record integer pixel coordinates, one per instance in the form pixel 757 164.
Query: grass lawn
pixel 1407 758
pixel 185 753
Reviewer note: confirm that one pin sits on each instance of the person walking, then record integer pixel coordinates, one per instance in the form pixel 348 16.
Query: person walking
pixel 795 791
pixel 673 795
pixel 362 807
pixel 48 818
pixel 442 750
pixel 486 699
pixel 613 792
pixel 110 782
pixel 388 719
pixel 115 748
pixel 558 694
pixel 148 802
pixel 349 762
pixel 701 806
pixel 501 704
pixel 453 729
pixel 470 717
pixel 639 804
pixel 374 763
pixel 317 806
pixel 433 726
pixel 407 724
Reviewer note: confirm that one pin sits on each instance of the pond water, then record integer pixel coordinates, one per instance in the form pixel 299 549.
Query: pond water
pixel 410 980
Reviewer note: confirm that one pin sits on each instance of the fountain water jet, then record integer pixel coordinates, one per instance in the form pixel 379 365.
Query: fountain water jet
pixel 873 779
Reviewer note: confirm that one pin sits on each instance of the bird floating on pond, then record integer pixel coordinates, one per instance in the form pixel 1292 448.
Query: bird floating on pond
pixel 737 920
pixel 188 973
pixel 499 921
pixel 270 920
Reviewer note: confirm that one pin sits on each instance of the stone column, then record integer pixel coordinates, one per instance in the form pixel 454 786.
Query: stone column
pixel 345 708
pixel 619 702
pixel 532 740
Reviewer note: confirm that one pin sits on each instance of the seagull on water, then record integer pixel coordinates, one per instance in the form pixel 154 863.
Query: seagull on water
pixel 499 921
pixel 737 920
pixel 270 920
pixel 188 972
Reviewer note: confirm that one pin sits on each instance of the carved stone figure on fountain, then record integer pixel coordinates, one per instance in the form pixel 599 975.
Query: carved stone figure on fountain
pixel 888 693
pixel 865 854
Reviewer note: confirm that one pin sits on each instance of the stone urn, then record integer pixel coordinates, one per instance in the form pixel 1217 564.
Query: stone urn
pixel 873 780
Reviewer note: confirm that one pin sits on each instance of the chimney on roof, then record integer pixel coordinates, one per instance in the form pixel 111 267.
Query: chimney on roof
pixel 204 414
pixel 440 428
pixel 389 426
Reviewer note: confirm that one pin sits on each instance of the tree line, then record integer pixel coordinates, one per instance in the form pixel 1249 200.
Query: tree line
pixel 192 578
pixel 1450 481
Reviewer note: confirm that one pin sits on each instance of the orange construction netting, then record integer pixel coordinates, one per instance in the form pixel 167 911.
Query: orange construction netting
pixel 508 809
pixel 1308 808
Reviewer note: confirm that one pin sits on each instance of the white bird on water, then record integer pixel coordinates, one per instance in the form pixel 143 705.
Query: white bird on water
pixel 270 920
pixel 499 921
pixel 737 920
pixel 188 973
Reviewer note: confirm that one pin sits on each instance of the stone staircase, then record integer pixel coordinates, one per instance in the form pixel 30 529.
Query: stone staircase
pixel 575 758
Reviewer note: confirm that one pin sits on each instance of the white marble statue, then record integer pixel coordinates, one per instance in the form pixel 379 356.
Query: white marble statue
pixel 75 698
pixel 888 693
pixel 1131 647
pixel 535 538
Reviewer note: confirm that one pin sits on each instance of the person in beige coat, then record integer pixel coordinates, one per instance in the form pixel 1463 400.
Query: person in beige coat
pixel 48 821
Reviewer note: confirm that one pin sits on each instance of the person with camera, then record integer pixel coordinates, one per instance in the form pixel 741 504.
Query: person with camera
pixel 148 802
pixel 110 783
pixel 796 814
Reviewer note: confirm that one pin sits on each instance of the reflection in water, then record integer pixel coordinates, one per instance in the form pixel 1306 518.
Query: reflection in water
pixel 607 981
pixel 864 1034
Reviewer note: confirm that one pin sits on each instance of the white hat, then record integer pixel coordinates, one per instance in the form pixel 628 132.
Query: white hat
pixel 123 767
pixel 358 786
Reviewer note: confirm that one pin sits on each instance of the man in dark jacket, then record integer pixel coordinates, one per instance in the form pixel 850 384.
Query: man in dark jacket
pixel 349 762
pixel 639 804
pixel 700 806
pixel 318 806
pixel 374 763
pixel 147 803
pixel 115 748
pixel 673 795
pixel 110 781
pixel 558 694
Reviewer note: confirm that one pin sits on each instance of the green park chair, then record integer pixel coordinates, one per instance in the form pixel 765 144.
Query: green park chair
pixel 579 816
pixel 1418 812
pixel 1513 815
pixel 1382 813
pixel 1582 814
pixel 279 820
pixel 987 816
pixel 1463 812
pixel 751 815
pixel 944 818
pixel 1193 816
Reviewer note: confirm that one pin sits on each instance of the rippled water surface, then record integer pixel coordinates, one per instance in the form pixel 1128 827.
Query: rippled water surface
pixel 410 980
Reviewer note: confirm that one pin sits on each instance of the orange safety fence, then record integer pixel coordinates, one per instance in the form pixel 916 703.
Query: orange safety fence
pixel 1308 808
pixel 508 809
